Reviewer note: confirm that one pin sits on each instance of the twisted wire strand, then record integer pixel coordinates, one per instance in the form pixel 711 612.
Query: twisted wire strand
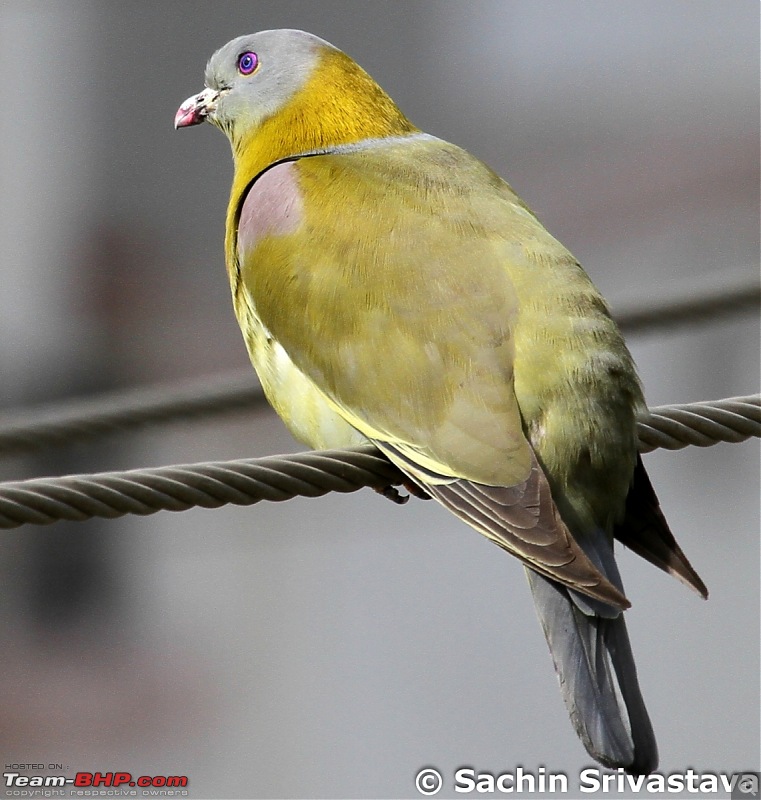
pixel 80 420
pixel 206 485
pixel 673 427
pixel 244 482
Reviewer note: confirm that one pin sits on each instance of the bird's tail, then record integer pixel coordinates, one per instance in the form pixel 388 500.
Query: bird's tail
pixel 594 663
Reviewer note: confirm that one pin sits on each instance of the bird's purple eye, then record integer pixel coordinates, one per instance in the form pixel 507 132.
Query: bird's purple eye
pixel 247 63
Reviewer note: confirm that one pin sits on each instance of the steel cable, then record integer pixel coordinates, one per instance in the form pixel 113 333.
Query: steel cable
pixel 244 482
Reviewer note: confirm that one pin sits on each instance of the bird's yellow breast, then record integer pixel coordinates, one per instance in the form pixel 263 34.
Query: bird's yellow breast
pixel 304 409
pixel 274 207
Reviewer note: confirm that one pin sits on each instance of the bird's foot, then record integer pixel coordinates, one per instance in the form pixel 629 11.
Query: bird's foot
pixel 393 494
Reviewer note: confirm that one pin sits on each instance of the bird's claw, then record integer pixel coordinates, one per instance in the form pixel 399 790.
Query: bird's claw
pixel 394 495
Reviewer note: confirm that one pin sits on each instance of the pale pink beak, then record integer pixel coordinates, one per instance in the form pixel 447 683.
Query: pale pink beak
pixel 196 108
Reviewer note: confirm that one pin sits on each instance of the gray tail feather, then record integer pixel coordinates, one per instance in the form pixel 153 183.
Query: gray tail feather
pixel 598 679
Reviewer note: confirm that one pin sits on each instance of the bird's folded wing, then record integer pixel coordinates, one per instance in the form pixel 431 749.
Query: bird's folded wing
pixel 390 291
pixel 523 519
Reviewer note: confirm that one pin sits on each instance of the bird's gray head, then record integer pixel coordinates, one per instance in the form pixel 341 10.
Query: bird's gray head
pixel 251 78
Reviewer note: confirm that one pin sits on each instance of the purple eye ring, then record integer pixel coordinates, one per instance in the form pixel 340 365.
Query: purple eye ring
pixel 247 62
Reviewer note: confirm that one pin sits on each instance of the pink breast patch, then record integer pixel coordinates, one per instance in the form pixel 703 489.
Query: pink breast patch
pixel 273 206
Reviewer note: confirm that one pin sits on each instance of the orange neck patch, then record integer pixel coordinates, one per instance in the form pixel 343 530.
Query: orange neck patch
pixel 339 104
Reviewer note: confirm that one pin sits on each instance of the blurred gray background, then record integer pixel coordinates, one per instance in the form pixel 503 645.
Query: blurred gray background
pixel 333 647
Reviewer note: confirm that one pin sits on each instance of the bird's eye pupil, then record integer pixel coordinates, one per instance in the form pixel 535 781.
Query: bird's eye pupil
pixel 247 63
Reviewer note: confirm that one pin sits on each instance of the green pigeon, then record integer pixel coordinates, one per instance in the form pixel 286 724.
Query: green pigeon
pixel 393 289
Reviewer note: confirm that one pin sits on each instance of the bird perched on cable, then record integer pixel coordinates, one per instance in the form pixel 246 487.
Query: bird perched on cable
pixel 391 288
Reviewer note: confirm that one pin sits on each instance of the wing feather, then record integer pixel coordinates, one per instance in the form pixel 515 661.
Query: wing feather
pixel 523 520
pixel 645 531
